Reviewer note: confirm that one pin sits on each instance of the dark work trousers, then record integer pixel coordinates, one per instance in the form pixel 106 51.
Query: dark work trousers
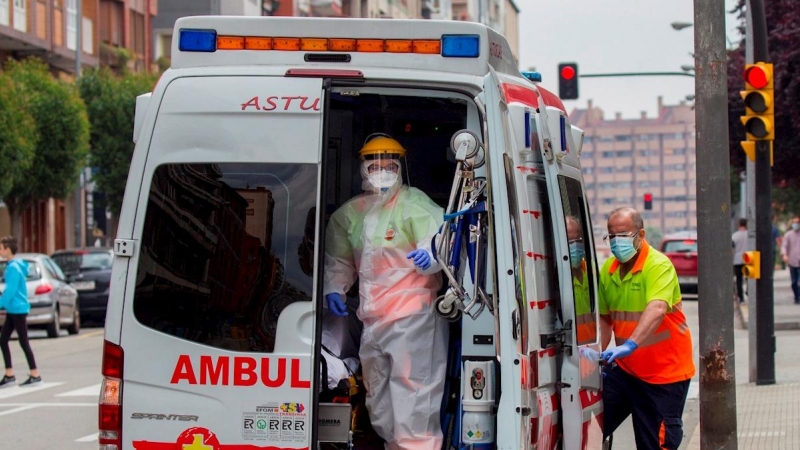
pixel 657 409
pixel 16 322
pixel 737 272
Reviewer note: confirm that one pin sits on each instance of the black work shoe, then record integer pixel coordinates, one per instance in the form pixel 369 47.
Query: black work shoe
pixel 7 381
pixel 31 380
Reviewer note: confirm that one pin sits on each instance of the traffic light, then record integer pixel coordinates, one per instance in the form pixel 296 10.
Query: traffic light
pixel 648 201
pixel 759 100
pixel 752 264
pixel 568 81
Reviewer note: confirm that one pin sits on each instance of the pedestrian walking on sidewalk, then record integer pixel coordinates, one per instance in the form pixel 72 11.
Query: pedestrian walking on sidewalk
pixel 647 374
pixel 790 254
pixel 739 247
pixel 15 301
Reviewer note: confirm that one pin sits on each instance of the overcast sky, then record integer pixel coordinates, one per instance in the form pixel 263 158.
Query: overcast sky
pixel 613 36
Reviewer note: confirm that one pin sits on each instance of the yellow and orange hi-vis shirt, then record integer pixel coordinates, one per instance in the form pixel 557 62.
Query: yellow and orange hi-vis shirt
pixel 666 356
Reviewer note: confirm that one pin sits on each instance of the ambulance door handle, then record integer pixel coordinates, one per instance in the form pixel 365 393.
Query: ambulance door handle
pixel 515 324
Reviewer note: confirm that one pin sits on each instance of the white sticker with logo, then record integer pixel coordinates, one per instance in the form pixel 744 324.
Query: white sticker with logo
pixel 276 422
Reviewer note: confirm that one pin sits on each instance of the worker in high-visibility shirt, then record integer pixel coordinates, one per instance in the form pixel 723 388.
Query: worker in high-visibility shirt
pixel 586 326
pixel 648 372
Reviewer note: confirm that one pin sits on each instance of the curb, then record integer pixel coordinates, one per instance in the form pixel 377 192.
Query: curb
pixel 779 326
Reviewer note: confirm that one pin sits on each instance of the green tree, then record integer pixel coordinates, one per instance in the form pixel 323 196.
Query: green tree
pixel 18 136
pixel 63 136
pixel 111 104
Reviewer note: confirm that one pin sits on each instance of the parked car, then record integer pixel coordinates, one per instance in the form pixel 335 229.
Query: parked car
pixel 681 249
pixel 88 270
pixel 54 303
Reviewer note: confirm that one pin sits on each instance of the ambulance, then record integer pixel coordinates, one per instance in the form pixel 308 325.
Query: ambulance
pixel 245 147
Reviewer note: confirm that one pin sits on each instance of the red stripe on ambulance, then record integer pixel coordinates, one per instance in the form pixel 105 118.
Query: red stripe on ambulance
pixel 238 371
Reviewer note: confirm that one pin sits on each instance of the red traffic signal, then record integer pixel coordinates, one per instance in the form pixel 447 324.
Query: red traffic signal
pixel 757 76
pixel 568 81
pixel 648 201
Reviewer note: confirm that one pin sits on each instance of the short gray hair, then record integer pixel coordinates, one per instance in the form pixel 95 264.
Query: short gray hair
pixel 635 215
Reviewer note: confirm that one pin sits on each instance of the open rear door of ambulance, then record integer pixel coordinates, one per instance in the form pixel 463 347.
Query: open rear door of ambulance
pixel 580 377
pixel 219 317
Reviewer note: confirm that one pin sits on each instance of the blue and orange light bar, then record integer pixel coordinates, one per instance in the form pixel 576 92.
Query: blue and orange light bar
pixel 449 45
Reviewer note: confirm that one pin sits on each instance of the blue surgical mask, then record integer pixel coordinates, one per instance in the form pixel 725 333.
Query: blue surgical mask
pixel 623 249
pixel 796 226
pixel 576 254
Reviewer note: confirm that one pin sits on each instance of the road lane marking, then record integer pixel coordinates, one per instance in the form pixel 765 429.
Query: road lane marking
pixel 92 334
pixel 90 438
pixel 88 391
pixel 17 409
pixel 20 390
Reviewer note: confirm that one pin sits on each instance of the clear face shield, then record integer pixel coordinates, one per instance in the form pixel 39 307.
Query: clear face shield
pixel 381 172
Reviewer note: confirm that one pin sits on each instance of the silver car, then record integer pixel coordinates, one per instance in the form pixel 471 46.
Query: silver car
pixel 54 303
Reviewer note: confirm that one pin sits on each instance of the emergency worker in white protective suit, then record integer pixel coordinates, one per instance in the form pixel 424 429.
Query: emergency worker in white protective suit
pixel 383 237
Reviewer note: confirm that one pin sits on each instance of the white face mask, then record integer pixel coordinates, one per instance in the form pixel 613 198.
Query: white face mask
pixel 383 179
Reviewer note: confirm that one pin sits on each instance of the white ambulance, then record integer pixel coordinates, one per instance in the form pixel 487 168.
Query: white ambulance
pixel 249 141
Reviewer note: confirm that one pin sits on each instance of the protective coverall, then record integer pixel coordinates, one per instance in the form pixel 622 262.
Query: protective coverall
pixel 404 343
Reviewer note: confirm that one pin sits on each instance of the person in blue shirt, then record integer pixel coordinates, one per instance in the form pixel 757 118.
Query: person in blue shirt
pixel 15 301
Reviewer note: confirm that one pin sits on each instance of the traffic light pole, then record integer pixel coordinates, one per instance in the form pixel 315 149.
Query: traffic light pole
pixel 764 308
pixel 716 350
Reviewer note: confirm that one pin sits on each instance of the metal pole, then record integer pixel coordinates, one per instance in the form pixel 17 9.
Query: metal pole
pixel 717 363
pixel 765 366
pixel 752 228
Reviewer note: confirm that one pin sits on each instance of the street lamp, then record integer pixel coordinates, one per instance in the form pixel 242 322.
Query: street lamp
pixel 680 25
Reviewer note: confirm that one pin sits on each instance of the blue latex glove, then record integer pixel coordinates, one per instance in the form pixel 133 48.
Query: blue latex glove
pixel 619 351
pixel 336 305
pixel 422 258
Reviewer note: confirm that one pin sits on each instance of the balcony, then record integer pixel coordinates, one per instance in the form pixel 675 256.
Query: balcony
pixel 326 8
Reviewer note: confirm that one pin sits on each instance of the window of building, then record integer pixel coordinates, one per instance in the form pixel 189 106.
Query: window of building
pixel 622 138
pixel 679 151
pixel 605 169
pixel 588 170
pixel 608 154
pixel 110 22
pixel 624 153
pixel 624 185
pixel 625 169
pixel 648 152
pixel 138 38
pixel 4 16
pixel 72 24
pixel 20 15
pixel 606 138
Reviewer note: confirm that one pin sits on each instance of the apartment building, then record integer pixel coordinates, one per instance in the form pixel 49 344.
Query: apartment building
pixel 500 15
pixel 170 11
pixel 623 159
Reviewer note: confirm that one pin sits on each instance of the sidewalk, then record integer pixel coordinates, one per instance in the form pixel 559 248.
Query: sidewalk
pixel 768 417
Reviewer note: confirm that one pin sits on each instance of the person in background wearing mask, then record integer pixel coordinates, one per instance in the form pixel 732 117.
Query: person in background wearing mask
pixel 383 237
pixel 586 329
pixel 15 301
pixel 790 254
pixel 640 302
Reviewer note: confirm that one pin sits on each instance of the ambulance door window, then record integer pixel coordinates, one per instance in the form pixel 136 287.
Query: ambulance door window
pixel 581 255
pixel 222 251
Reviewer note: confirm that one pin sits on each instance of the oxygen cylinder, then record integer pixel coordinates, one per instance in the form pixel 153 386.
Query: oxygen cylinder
pixel 477 400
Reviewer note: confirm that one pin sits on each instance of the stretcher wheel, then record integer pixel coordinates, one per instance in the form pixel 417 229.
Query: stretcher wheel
pixel 443 309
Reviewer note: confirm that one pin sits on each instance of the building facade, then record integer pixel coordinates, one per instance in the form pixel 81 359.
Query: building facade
pixel 624 159
pixel 170 11
pixel 55 31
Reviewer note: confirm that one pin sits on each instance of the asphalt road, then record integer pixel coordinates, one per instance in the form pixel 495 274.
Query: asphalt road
pixel 60 412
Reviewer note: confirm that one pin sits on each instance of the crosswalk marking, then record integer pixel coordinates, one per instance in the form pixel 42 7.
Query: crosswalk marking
pixel 18 409
pixel 88 391
pixel 90 438
pixel 20 390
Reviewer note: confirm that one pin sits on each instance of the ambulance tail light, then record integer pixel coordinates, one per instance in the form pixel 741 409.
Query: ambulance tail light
pixel 110 414
pixel 447 45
